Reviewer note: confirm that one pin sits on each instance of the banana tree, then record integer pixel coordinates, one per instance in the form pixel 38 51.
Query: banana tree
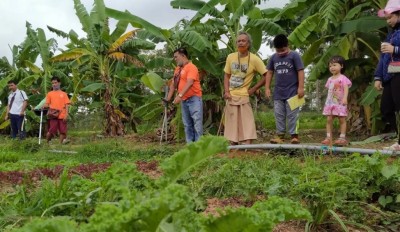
pixel 23 69
pixel 105 54
pixel 210 35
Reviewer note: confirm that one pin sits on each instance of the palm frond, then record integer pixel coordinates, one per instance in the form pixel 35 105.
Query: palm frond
pixel 35 69
pixel 70 55
pixel 58 32
pixel 194 5
pixel 304 30
pixel 145 34
pixel 206 8
pixel 123 57
pixel 135 21
pixel 194 40
pixel 120 29
pixel 333 11
pixel 83 16
pixel 5 67
pixel 266 25
pixel 44 47
pixel 291 9
pixel 100 10
pixel 138 44
pixel 75 38
pixel 129 35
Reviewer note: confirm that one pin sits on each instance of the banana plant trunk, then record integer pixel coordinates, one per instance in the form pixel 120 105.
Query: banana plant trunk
pixel 114 125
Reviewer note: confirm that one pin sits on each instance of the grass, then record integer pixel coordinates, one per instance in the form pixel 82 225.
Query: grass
pixel 307 120
pixel 28 154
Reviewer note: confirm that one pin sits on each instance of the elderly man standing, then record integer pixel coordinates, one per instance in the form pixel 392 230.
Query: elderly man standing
pixel 239 71
pixel 17 103
pixel 186 82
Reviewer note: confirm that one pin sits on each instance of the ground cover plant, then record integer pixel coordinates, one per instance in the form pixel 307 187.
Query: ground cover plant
pixel 90 203
pixel 135 183
pixel 115 185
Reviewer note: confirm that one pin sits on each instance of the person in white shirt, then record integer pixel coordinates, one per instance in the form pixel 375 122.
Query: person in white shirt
pixel 17 103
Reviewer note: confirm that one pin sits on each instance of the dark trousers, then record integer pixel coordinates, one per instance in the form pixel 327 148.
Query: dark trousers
pixel 390 102
pixel 16 126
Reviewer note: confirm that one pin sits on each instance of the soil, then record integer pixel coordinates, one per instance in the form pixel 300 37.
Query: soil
pixel 149 168
pixel 12 178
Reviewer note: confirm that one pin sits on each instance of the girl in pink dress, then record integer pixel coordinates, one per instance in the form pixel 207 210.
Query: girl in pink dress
pixel 336 102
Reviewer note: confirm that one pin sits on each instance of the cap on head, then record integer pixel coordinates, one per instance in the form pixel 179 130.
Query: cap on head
pixel 391 6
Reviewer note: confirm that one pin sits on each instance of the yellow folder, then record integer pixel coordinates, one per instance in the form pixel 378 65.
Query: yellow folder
pixel 295 102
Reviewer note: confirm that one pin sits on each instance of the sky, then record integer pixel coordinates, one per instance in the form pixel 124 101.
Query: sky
pixel 60 14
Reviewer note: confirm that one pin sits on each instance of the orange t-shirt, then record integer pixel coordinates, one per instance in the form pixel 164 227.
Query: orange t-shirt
pixel 58 100
pixel 189 71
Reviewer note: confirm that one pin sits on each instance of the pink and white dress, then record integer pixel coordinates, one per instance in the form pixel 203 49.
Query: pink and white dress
pixel 333 104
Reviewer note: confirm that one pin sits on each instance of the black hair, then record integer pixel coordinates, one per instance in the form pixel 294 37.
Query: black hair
pixel 396 13
pixel 12 82
pixel 56 78
pixel 280 41
pixel 338 59
pixel 182 51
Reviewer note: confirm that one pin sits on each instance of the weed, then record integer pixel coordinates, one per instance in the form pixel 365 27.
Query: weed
pixel 29 145
pixel 9 157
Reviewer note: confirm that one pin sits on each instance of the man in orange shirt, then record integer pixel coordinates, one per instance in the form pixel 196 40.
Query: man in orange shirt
pixel 57 99
pixel 186 82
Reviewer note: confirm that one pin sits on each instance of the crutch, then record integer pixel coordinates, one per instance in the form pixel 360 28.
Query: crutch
pixel 165 118
pixel 40 126
pixel 222 118
pixel 22 131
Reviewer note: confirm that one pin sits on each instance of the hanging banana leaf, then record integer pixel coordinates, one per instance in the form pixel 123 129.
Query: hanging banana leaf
pixel 153 81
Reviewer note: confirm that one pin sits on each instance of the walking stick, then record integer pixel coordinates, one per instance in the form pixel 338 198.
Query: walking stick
pixel 40 126
pixel 21 132
pixel 222 118
pixel 165 118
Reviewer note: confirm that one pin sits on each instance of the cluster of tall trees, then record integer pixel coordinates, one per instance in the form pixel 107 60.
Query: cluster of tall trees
pixel 122 74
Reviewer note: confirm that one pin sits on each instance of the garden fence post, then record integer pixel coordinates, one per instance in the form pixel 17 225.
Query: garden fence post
pixel 165 118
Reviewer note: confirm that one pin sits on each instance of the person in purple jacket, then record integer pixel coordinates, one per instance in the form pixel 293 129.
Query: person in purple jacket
pixel 390 82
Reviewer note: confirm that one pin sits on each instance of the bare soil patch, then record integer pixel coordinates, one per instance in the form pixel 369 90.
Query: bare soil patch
pixel 149 168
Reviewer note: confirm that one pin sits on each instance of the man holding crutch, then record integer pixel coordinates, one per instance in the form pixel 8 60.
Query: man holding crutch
pixel 17 103
pixel 186 82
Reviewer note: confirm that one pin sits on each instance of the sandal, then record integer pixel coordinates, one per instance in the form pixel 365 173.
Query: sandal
pixel 340 142
pixel 327 141
pixel 295 140
pixel 277 140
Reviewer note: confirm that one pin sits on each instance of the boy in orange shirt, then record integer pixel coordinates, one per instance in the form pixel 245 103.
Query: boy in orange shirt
pixel 57 99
